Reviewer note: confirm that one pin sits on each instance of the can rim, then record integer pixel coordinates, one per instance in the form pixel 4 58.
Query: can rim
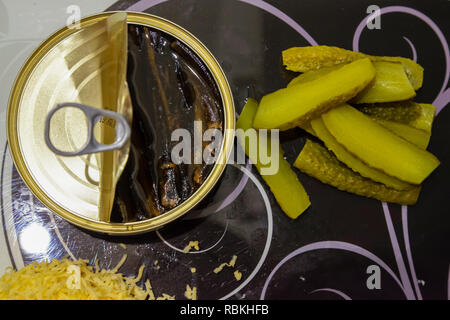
pixel 154 223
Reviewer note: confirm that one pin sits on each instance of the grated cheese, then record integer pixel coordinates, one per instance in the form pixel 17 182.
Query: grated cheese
pixel 191 245
pixel 191 293
pixel 54 281
pixel 166 296
pixel 229 264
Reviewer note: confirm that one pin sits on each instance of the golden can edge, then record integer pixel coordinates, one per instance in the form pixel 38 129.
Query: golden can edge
pixel 131 227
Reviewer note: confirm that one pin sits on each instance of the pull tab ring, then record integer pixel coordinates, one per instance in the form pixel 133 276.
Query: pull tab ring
pixel 93 115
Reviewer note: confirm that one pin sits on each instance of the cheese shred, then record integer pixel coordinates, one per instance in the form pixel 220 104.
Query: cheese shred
pixel 229 264
pixel 190 293
pixel 191 245
pixel 73 280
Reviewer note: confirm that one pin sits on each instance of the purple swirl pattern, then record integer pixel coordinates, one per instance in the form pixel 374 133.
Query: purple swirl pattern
pixel 339 293
pixel 413 49
pixel 337 245
pixel 146 4
pixel 408 251
pixel 397 253
pixel 443 97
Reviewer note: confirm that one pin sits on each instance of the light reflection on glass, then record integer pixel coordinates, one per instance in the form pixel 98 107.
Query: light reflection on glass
pixel 34 239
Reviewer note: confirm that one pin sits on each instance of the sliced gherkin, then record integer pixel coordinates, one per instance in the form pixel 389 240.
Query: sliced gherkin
pixel 284 184
pixel 303 59
pixel 313 75
pixel 298 104
pixel 353 162
pixel 417 115
pixel 413 70
pixel 390 83
pixel 316 161
pixel 377 146
pixel 419 137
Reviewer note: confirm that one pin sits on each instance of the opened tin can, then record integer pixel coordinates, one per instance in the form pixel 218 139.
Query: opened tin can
pixel 63 69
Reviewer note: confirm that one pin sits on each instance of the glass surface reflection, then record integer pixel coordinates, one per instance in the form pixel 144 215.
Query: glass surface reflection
pixel 34 239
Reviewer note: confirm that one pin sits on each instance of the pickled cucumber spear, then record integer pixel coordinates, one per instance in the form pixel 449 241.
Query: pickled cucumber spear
pixel 377 146
pixel 303 59
pixel 390 83
pixel 417 115
pixel 416 136
pixel 316 161
pixel 408 119
pixel 297 105
pixel 353 162
pixel 284 184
